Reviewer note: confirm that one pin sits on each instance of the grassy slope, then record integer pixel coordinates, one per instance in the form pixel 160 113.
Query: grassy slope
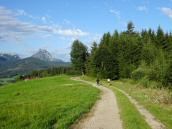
pixel 131 118
pixel 149 99
pixel 53 102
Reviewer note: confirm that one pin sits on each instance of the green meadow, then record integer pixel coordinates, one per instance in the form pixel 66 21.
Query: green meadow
pixel 52 102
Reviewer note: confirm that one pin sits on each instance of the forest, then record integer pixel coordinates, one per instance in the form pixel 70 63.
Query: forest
pixel 144 55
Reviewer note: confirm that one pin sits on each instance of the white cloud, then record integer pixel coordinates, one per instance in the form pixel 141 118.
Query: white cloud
pixel 44 19
pixel 167 11
pixel 66 21
pixel 115 12
pixel 11 28
pixel 21 12
pixel 71 32
pixel 142 8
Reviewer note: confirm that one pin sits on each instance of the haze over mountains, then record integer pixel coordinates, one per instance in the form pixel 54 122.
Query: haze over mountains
pixel 11 65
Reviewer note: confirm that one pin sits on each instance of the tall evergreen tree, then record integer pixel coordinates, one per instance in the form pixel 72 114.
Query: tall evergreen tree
pixel 79 54
pixel 130 28
pixel 105 63
pixel 94 47
pixel 90 65
pixel 106 39
pixel 160 40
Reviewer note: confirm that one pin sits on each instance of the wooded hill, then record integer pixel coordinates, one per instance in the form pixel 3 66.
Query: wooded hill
pixel 144 55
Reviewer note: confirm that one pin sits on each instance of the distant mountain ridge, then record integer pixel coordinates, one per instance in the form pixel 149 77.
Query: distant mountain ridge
pixel 8 57
pixel 11 65
pixel 44 55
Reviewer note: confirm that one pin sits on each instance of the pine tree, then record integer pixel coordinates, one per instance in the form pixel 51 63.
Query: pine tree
pixel 90 66
pixel 105 63
pixel 160 40
pixel 130 28
pixel 79 54
pixel 94 47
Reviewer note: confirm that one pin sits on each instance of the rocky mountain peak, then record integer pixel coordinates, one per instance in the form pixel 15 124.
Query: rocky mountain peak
pixel 43 54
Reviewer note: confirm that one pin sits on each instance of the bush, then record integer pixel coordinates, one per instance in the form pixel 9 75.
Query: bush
pixel 138 73
pixel 145 82
pixel 158 68
pixel 168 76
pixel 150 84
pixel 153 75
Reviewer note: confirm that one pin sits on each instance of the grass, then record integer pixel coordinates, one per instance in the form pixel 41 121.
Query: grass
pixel 52 102
pixel 157 101
pixel 130 116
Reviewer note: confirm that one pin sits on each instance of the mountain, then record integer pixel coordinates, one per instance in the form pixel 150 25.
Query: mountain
pixel 14 65
pixel 8 58
pixel 44 55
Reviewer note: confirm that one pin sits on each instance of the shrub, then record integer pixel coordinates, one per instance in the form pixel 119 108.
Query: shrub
pixel 138 73
pixel 145 82
pixel 153 75
pixel 168 76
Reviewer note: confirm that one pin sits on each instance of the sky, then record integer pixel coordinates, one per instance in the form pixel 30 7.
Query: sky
pixel 28 25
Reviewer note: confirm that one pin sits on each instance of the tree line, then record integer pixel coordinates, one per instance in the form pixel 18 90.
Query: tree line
pixel 129 54
pixel 48 72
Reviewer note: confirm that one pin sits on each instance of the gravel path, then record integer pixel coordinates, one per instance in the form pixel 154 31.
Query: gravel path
pixel 105 113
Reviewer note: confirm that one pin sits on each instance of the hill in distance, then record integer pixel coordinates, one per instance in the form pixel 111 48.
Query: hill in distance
pixel 11 65
pixel 8 58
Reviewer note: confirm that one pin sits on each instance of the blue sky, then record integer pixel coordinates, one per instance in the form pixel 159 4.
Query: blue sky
pixel 27 25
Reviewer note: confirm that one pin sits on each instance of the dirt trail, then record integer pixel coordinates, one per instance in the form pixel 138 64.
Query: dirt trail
pixel 150 119
pixel 105 113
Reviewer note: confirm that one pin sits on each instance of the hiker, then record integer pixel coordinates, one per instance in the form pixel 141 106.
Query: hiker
pixel 98 81
pixel 109 81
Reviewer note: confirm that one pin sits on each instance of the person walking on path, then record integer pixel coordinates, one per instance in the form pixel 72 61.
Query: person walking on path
pixel 97 81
